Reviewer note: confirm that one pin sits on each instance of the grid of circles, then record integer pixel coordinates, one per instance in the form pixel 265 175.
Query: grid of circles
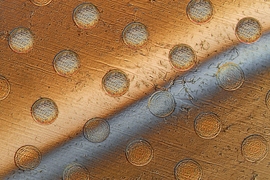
pixel 96 130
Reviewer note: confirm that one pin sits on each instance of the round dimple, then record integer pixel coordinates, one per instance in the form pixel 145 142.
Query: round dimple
pixel 66 63
pixel 4 88
pixel 182 57
pixel 86 15
pixel 135 34
pixel 27 157
pixel 139 152
pixel 161 104
pixel 21 40
pixel 96 130
pixel 41 2
pixel 199 11
pixel 115 83
pixel 207 125
pixel 267 100
pixel 248 30
pixel 76 171
pixel 44 111
pixel 188 169
pixel 230 76
pixel 254 148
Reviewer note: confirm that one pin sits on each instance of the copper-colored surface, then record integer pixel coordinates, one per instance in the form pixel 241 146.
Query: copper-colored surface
pixel 81 97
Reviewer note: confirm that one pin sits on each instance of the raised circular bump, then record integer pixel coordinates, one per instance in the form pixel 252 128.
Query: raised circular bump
pixel 96 130
pixel 199 11
pixel 86 15
pixel 230 76
pixel 66 62
pixel 41 2
pixel 161 103
pixel 207 125
pixel 115 83
pixel 21 40
pixel 182 57
pixel 27 157
pixel 44 111
pixel 254 148
pixel 76 171
pixel 139 152
pixel 188 169
pixel 4 88
pixel 135 34
pixel 248 30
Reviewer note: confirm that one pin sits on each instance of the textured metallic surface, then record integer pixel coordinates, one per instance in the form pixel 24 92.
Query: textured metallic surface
pixel 243 112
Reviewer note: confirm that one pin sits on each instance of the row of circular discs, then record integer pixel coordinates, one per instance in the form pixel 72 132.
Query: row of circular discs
pixel 115 82
pixel 135 35
pixel 87 15
pixel 140 152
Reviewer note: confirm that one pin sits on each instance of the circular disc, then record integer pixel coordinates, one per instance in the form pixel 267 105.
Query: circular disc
pixel 139 152
pixel 200 11
pixel 96 130
pixel 115 83
pixel 4 88
pixel 182 57
pixel 230 76
pixel 188 169
pixel 41 2
pixel 207 125
pixel 76 171
pixel 254 148
pixel 21 40
pixel 161 104
pixel 135 34
pixel 248 30
pixel 86 15
pixel 27 157
pixel 66 62
pixel 44 111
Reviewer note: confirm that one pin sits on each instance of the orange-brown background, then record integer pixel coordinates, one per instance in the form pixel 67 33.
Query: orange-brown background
pixel 81 97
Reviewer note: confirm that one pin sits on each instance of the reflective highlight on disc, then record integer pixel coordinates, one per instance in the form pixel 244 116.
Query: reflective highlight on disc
pixel 248 30
pixel 21 40
pixel 139 152
pixel 188 169
pixel 66 62
pixel 200 11
pixel 86 15
pixel 182 57
pixel 76 171
pixel 207 125
pixel 161 103
pixel 115 83
pixel 27 157
pixel 41 2
pixel 254 148
pixel 4 88
pixel 44 111
pixel 230 76
pixel 135 34
pixel 96 130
